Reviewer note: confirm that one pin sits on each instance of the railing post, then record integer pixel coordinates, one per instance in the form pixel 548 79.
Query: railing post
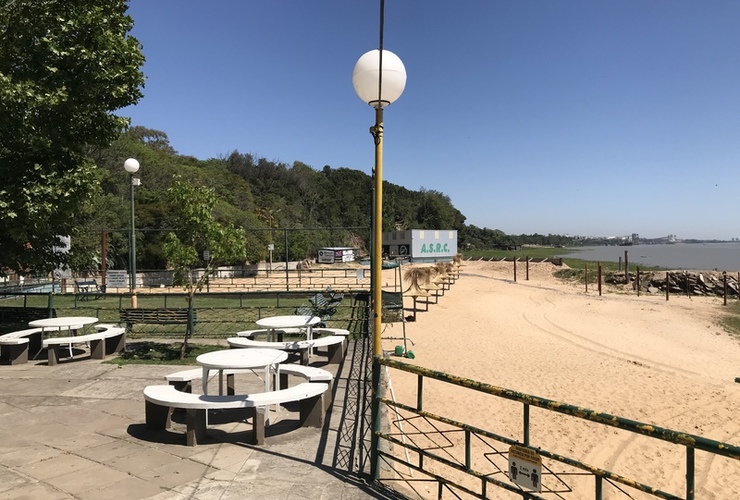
pixel 689 473
pixel 49 303
pixel 375 415
pixel 468 460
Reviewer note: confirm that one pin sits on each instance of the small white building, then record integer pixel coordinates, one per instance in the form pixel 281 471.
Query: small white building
pixel 421 244
pixel 330 255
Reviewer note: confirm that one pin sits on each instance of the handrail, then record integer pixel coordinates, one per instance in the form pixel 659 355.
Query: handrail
pixel 691 442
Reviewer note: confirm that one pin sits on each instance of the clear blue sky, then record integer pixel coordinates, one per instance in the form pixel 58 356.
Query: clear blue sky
pixel 573 117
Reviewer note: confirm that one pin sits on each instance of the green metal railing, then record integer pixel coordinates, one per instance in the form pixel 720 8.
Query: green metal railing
pixel 431 440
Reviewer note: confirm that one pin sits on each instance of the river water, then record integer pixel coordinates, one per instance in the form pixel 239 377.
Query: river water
pixel 705 256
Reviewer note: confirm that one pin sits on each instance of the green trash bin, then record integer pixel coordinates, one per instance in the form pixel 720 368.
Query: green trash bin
pixel 399 350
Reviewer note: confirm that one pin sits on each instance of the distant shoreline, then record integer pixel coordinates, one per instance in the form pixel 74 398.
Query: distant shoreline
pixel 673 256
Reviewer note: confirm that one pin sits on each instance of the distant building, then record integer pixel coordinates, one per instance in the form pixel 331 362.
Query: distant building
pixel 421 245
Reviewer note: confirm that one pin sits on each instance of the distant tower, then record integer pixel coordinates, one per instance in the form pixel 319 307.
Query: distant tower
pixel 635 239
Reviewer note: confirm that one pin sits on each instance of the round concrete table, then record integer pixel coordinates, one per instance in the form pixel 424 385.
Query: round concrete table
pixel 69 323
pixel 273 323
pixel 241 359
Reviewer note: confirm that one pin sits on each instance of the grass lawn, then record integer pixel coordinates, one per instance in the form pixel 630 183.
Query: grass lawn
pixel 161 353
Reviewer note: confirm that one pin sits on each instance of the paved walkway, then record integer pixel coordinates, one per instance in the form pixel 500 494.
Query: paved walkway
pixel 76 431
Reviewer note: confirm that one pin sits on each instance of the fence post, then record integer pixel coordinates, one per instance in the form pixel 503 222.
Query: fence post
pixel 637 282
pixel 287 261
pixel 527 257
pixel 585 276
pixel 375 421
pixel 724 278
pixel 667 284
pixel 599 279
pixel 686 276
pixel 626 269
pixel 514 269
pixel 49 303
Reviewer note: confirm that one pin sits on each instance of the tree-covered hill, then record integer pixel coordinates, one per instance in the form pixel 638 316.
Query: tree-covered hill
pixel 327 207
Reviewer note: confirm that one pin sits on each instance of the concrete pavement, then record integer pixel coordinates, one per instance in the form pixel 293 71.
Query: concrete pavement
pixel 76 431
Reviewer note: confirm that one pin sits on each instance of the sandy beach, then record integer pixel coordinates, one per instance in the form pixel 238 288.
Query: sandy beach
pixel 667 363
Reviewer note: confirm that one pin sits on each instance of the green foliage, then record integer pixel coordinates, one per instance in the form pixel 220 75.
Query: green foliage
pixel 65 67
pixel 158 353
pixel 731 320
pixel 196 231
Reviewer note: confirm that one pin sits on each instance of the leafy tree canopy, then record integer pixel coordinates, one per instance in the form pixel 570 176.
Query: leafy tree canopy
pixel 65 67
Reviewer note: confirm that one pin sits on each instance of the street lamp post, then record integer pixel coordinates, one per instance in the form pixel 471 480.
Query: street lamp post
pixel 272 235
pixel 379 78
pixel 132 166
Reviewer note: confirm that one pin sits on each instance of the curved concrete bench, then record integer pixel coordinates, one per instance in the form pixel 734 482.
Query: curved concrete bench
pixel 161 398
pixel 252 333
pixel 183 380
pixel 108 339
pixel 334 343
pixel 311 374
pixel 331 331
pixel 14 346
pixel 279 333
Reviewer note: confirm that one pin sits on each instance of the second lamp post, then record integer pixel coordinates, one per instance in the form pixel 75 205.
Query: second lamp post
pixel 132 166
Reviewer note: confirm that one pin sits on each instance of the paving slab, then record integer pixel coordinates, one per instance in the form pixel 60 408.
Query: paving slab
pixel 77 430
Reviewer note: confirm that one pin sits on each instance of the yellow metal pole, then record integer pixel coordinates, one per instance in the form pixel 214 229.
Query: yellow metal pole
pixel 377 257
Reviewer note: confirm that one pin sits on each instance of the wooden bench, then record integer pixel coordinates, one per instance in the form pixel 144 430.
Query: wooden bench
pixel 158 316
pixel 88 288
pixel 24 315
pixel 335 345
pixel 108 340
pixel 14 346
pixel 160 399
pixel 322 307
pixel 303 310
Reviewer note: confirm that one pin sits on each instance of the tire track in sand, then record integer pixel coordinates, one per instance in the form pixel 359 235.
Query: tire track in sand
pixel 611 451
pixel 592 345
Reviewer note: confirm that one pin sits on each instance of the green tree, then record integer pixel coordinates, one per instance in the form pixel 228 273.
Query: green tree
pixel 65 67
pixel 196 230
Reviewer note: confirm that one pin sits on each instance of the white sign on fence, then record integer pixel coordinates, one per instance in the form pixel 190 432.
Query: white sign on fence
pixel 525 467
pixel 116 278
